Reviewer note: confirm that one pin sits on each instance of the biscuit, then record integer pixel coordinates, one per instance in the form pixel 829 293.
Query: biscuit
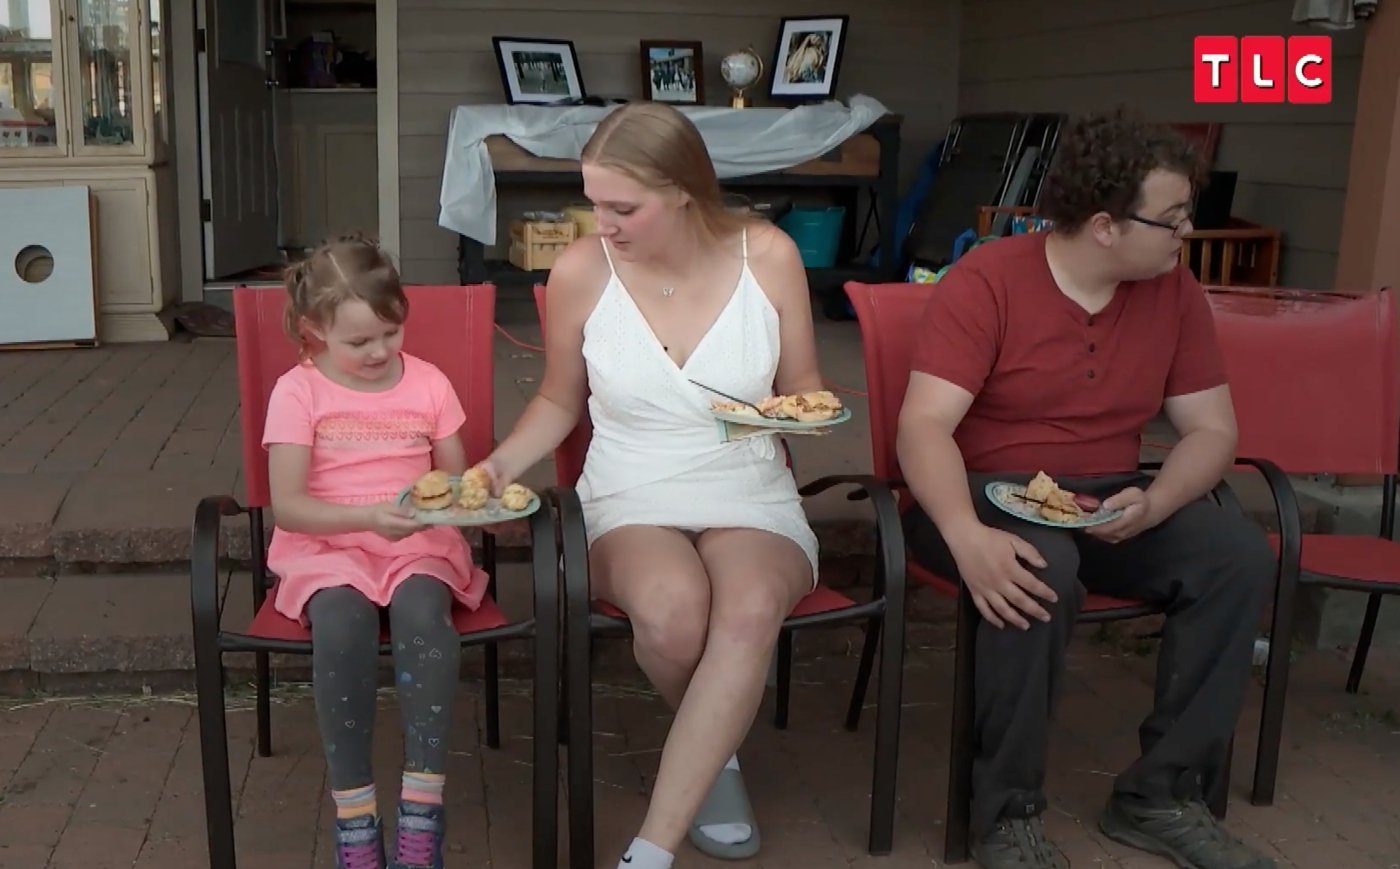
pixel 1039 488
pixel 433 491
pixel 476 478
pixel 516 497
pixel 472 497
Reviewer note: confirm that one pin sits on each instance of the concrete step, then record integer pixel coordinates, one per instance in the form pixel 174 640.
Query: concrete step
pixel 106 624
pixel 125 631
pixel 50 522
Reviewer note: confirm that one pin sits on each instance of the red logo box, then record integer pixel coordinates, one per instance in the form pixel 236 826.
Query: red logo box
pixel 1262 69
pixel 1310 69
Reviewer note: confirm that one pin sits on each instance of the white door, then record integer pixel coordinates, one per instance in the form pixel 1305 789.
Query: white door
pixel 237 138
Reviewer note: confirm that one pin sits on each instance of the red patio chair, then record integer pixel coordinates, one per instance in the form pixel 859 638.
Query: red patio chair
pixel 889 317
pixel 1315 390
pixel 586 618
pixel 451 327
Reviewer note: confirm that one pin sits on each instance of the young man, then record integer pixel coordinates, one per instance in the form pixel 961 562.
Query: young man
pixel 1051 352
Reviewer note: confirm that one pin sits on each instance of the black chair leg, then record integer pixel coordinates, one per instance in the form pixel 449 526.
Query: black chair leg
pixel 580 769
pixel 213 751
pixel 888 710
pixel 493 697
pixel 867 664
pixel 1218 797
pixel 1275 692
pixel 1363 643
pixel 780 711
pixel 959 820
pixel 264 692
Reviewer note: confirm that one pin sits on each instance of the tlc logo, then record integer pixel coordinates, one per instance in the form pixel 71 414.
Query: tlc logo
pixel 1263 69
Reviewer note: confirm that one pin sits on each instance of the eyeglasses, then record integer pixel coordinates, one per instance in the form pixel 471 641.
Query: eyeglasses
pixel 1178 228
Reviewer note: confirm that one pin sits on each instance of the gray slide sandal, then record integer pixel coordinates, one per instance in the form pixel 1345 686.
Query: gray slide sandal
pixel 726 803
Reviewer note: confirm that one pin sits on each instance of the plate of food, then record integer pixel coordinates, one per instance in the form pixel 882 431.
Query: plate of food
pixel 439 498
pixel 805 412
pixel 1043 502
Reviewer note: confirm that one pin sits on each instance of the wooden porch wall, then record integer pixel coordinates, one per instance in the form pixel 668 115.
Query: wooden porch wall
pixel 1090 54
pixel 902 52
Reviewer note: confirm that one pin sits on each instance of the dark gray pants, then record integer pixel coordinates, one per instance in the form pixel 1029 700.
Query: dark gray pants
pixel 344 660
pixel 1207 566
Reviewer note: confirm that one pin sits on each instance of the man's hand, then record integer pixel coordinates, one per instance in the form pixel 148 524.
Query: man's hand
pixel 1002 588
pixel 1138 516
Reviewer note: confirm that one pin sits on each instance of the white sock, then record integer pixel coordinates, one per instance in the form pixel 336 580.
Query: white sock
pixel 728 834
pixel 642 854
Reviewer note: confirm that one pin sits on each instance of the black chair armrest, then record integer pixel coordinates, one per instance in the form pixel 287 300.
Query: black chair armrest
pixel 206 536
pixel 1290 517
pixel 544 552
pixel 889 579
pixel 574 548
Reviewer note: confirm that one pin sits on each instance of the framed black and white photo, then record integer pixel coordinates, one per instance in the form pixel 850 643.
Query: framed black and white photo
pixel 538 70
pixel 807 57
pixel 673 72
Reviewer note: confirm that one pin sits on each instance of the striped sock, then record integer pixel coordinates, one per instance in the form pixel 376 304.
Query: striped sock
pixel 422 787
pixel 354 802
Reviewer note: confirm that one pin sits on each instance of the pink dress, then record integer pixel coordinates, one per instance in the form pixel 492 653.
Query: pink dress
pixel 366 447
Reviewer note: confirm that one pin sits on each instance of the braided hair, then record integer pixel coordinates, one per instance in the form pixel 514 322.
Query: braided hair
pixel 345 269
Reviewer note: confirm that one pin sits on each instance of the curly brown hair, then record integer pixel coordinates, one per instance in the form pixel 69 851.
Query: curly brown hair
pixel 1101 162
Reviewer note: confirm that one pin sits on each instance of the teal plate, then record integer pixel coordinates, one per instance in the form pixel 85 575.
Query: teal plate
pixel 781 424
pixel 1005 496
pixel 492 514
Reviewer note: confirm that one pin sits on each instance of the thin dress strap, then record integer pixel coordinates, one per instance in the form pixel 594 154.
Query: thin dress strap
pixel 744 239
pixel 606 253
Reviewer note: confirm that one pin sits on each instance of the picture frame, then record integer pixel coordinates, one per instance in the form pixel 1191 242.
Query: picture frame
pixel 538 71
pixel 673 71
pixel 807 57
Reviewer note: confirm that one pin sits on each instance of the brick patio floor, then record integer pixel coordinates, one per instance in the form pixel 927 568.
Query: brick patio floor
pixel 115 782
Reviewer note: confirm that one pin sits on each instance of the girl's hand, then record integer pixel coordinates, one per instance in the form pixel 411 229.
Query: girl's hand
pixel 393 521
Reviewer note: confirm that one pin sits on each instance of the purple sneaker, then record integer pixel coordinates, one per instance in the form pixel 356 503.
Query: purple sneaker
pixel 420 836
pixel 359 843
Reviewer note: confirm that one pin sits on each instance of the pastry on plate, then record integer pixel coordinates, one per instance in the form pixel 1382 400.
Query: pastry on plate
pixel 1040 487
pixel 477 478
pixel 816 406
pixel 433 491
pixel 516 497
pixel 734 407
pixel 1059 506
pixel 472 497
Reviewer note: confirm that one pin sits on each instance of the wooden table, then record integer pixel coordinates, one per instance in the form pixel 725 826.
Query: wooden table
pixel 868 161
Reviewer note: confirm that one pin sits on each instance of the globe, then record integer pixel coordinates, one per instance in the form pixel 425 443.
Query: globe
pixel 740 70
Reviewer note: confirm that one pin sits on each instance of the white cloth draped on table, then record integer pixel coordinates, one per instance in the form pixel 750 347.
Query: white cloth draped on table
pixel 1333 14
pixel 740 141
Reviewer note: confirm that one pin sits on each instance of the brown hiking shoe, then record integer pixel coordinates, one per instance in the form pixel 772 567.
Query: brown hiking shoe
pixel 1186 833
pixel 1018 843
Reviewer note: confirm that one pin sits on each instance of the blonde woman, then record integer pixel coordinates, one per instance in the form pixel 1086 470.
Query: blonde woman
pixel 703 544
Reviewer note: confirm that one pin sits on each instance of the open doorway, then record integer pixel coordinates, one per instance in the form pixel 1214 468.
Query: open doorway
pixel 288 123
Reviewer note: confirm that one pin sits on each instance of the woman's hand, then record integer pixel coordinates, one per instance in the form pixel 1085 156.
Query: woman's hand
pixel 498 477
pixel 392 521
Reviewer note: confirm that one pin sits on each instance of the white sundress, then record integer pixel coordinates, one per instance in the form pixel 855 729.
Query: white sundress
pixel 656 457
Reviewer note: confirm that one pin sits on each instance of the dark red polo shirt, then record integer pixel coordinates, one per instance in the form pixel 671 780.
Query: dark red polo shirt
pixel 1055 388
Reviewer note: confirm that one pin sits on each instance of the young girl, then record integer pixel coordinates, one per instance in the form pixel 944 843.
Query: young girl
pixel 348 428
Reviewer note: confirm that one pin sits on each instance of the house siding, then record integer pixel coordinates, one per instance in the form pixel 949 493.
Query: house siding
pixel 446 60
pixel 1029 55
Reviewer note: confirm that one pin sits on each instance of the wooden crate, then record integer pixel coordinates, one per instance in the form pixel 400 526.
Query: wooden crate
pixel 536 244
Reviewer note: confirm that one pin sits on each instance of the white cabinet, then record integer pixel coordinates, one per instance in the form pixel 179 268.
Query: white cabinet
pixel 83 87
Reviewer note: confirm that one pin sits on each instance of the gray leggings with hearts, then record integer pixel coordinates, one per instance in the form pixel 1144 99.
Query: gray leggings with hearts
pixel 344 660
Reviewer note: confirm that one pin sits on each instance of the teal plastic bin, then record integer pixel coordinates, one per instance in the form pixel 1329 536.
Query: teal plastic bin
pixel 817 232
